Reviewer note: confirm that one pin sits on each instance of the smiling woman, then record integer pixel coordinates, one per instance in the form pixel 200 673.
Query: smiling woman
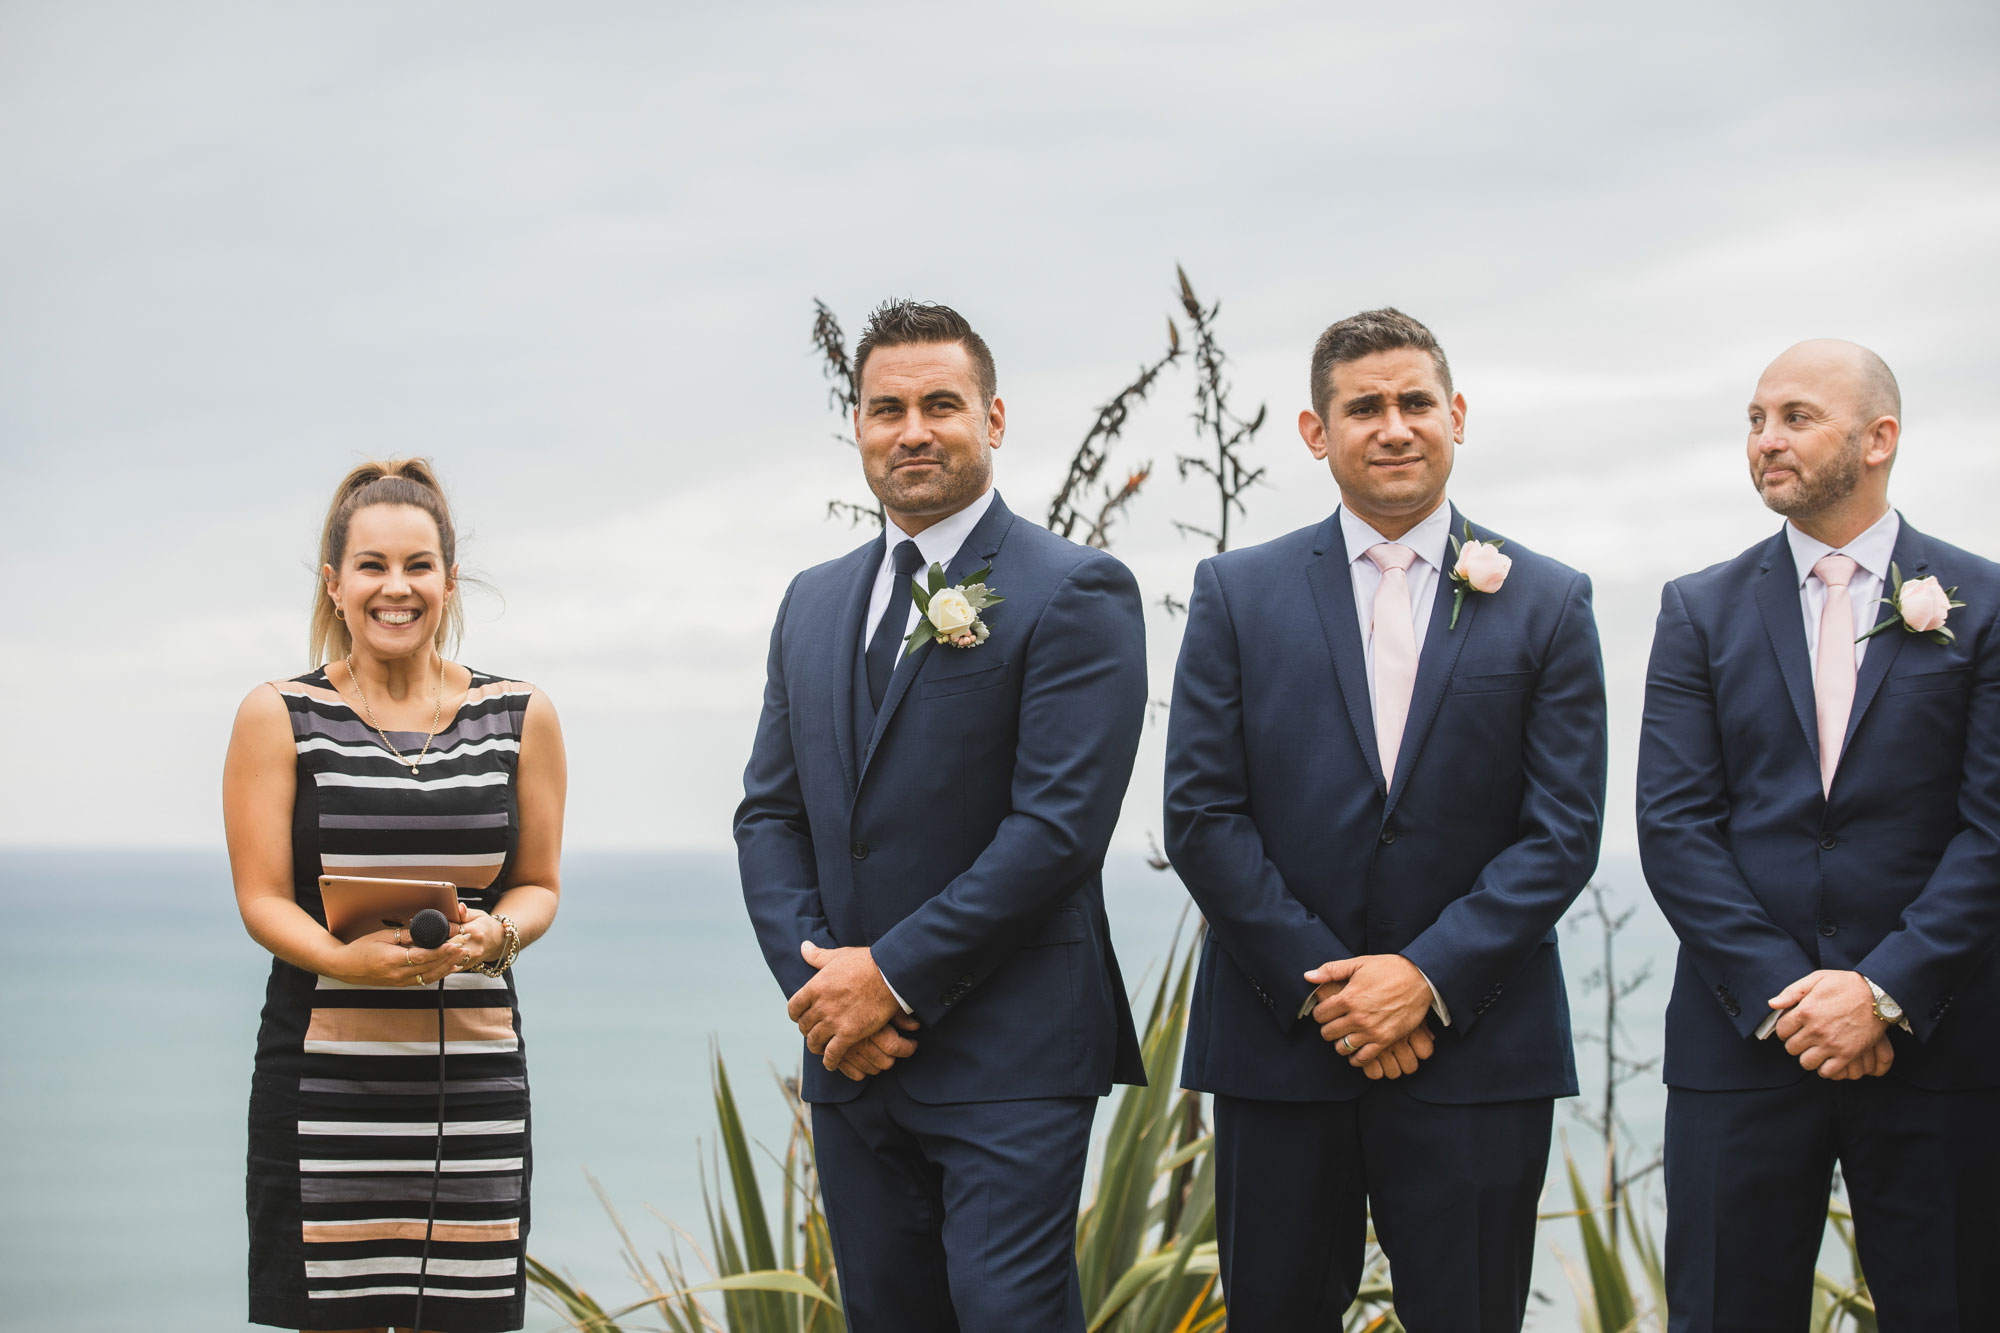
pixel 389 1155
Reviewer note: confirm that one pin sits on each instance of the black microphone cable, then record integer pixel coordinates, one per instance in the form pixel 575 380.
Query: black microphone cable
pixel 428 930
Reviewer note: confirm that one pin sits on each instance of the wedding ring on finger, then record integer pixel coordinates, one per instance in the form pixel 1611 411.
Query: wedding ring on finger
pixel 1345 1046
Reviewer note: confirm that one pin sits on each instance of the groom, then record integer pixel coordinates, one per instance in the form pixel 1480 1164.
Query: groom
pixel 1385 783
pixel 920 840
pixel 1819 818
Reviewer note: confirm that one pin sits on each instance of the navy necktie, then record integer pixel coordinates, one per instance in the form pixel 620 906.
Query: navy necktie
pixel 885 649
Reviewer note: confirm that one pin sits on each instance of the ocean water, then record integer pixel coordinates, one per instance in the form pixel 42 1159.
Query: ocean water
pixel 130 994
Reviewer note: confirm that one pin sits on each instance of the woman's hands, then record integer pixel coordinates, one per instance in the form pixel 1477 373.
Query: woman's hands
pixel 480 938
pixel 387 958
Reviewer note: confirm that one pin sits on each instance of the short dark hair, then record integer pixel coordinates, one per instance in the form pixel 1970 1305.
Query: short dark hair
pixel 1365 334
pixel 903 323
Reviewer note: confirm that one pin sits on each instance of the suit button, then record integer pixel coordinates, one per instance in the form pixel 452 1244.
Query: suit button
pixel 1388 836
pixel 1828 929
pixel 1731 1008
pixel 1828 843
pixel 860 850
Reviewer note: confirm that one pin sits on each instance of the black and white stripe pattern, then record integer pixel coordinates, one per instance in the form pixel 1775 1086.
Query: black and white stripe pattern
pixel 342 1110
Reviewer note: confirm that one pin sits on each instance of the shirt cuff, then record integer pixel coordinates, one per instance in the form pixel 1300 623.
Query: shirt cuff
pixel 894 992
pixel 1437 999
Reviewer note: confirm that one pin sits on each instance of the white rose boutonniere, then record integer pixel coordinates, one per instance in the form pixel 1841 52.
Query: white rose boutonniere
pixel 1480 568
pixel 950 615
pixel 1920 606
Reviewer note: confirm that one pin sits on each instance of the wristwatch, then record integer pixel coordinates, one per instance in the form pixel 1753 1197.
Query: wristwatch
pixel 1886 1009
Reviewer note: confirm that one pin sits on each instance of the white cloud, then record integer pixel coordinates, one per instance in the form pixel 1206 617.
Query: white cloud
pixel 571 254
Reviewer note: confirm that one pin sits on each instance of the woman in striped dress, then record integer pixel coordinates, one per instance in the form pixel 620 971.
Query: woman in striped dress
pixel 391 762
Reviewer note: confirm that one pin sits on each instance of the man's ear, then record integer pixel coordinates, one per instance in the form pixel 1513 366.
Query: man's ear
pixel 1458 418
pixel 1313 431
pixel 1884 433
pixel 996 422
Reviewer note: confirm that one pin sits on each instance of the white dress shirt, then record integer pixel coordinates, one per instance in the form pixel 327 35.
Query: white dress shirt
pixel 1871 552
pixel 938 544
pixel 1430 539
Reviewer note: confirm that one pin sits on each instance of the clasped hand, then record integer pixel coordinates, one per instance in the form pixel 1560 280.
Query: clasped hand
pixel 387 957
pixel 1829 1025
pixel 848 1015
pixel 1377 1002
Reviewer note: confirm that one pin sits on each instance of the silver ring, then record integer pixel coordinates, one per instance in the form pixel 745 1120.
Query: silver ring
pixel 1346 1046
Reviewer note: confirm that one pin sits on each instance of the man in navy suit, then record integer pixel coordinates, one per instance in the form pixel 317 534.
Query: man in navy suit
pixel 1385 783
pixel 1819 816
pixel 920 842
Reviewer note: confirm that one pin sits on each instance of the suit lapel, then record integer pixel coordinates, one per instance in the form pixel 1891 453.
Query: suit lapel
pixel 853 615
pixel 981 545
pixel 1913 558
pixel 1442 644
pixel 1778 599
pixel 1332 585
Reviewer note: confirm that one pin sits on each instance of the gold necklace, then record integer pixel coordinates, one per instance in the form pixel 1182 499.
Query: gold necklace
pixel 437 714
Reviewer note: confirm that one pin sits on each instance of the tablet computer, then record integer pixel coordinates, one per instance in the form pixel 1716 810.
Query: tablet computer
pixel 357 905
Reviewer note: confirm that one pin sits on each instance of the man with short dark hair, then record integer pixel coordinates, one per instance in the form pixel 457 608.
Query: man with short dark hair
pixel 1819 819
pixel 950 719
pixel 1385 783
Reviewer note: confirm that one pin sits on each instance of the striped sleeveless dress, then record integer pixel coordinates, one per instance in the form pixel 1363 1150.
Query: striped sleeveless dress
pixel 343 1101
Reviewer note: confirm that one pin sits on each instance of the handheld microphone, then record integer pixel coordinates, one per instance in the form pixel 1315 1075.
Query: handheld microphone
pixel 429 929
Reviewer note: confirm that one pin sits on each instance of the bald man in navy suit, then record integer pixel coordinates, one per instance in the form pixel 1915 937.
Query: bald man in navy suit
pixel 1819 818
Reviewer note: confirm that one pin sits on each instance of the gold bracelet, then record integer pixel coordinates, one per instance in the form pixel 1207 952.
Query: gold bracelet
pixel 510 948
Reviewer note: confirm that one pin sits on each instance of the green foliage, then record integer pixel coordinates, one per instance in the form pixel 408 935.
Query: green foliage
pixel 769 1281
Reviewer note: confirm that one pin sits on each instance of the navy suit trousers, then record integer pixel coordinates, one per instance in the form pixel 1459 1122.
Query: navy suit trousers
pixel 1748 1174
pixel 954 1218
pixel 1452 1188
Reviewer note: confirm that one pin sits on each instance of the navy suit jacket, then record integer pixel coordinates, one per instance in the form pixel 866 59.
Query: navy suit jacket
pixel 961 835
pixel 1280 825
pixel 1895 873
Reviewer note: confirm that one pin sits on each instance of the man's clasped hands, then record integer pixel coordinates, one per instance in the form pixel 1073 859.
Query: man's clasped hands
pixel 1830 1027
pixel 849 1015
pixel 1376 1004
pixel 1371 1008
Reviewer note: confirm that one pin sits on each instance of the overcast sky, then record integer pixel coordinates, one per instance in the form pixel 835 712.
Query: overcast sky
pixel 570 252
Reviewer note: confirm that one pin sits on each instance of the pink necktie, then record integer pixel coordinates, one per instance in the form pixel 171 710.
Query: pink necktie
pixel 1395 651
pixel 1833 675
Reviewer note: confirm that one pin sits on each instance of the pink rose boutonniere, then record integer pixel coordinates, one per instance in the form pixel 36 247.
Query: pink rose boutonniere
pixel 1480 568
pixel 1921 606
